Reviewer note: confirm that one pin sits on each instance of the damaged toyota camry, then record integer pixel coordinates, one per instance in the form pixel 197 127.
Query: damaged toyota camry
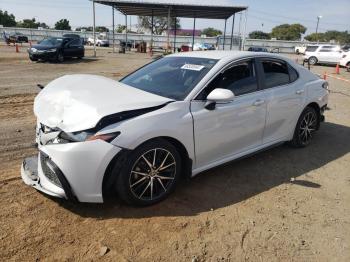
pixel 171 119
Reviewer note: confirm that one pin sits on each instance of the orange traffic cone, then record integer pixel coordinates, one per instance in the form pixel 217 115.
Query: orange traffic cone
pixel 337 69
pixel 325 76
pixel 17 48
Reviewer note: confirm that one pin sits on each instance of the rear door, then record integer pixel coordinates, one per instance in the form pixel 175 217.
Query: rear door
pixel 284 96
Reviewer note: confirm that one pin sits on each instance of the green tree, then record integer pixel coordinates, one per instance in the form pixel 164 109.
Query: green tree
pixel 6 19
pixel 211 32
pixel 259 35
pixel 288 32
pixel 159 23
pixel 333 35
pixel 62 24
pixel 28 23
pixel 120 28
pixel 99 29
pixel 315 37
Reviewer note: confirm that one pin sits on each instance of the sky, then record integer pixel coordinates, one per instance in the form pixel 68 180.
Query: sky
pixel 261 15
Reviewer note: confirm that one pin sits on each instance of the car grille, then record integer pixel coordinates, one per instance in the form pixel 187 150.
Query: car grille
pixel 48 169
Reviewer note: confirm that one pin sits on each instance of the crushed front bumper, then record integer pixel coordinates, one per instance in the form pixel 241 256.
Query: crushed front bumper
pixel 30 172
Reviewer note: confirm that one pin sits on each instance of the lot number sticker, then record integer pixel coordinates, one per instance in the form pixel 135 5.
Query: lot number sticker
pixel 192 67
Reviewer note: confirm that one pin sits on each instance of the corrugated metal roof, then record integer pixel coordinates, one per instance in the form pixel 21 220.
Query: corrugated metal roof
pixel 199 9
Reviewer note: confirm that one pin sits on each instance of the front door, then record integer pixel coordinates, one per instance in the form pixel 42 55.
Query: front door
pixel 234 127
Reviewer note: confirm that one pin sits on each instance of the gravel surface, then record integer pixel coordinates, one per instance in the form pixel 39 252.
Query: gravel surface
pixel 283 204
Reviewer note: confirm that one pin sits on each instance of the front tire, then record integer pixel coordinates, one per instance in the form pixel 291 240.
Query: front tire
pixel 149 174
pixel 312 60
pixel 60 57
pixel 348 67
pixel 306 126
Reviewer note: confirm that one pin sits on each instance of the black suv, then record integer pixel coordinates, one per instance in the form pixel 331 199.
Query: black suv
pixel 57 49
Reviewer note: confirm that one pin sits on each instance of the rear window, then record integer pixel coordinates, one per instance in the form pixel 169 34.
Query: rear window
pixel 311 48
pixel 276 73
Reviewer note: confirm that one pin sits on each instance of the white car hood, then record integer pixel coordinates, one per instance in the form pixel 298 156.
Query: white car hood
pixel 77 102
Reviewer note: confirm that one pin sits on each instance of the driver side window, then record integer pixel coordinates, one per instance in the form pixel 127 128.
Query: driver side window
pixel 239 78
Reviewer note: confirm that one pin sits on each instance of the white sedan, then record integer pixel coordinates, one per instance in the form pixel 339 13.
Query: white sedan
pixel 173 118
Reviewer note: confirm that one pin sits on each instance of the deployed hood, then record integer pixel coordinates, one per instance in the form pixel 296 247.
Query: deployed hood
pixel 77 102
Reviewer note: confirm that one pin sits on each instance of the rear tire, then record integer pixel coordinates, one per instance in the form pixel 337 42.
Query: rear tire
pixel 33 59
pixel 150 173
pixel 313 60
pixel 348 67
pixel 307 124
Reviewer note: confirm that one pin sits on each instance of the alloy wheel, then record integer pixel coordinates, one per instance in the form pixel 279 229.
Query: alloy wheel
pixel 152 174
pixel 307 127
pixel 312 61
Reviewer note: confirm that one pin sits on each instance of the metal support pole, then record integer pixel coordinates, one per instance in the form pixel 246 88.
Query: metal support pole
pixel 239 31
pixel 126 32
pixel 318 22
pixel 113 28
pixel 233 26
pixel 175 36
pixel 245 29
pixel 168 30
pixel 223 44
pixel 94 27
pixel 194 28
pixel 151 33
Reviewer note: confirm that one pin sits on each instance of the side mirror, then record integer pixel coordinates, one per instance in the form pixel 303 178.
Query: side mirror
pixel 219 96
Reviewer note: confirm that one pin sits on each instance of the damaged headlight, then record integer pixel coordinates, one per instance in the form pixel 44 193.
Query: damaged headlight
pixel 85 136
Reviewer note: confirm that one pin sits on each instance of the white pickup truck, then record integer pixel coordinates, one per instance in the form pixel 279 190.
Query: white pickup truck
pixel 300 49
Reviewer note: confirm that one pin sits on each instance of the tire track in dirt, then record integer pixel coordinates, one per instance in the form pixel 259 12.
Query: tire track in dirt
pixel 17 132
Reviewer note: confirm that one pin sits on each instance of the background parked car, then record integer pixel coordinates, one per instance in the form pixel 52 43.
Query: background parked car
pixel 345 60
pixel 16 38
pixel 257 49
pixel 346 48
pixel 128 45
pixel 100 41
pixel 57 49
pixel 300 49
pixel 323 54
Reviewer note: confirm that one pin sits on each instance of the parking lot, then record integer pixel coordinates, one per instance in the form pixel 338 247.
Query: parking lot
pixel 283 204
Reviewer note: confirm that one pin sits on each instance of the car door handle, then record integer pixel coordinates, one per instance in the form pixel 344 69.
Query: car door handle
pixel 299 92
pixel 258 102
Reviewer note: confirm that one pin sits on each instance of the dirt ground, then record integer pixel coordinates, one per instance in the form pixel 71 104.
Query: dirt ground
pixel 284 204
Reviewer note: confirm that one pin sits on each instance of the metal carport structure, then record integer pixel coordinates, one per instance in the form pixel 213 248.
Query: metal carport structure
pixel 175 9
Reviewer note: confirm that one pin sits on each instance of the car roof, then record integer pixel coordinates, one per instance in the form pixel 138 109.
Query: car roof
pixel 223 55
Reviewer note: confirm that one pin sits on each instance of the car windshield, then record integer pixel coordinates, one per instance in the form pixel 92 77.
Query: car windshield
pixel 172 77
pixel 52 41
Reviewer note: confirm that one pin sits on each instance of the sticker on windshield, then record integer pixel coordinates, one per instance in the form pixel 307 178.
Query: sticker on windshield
pixel 192 67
